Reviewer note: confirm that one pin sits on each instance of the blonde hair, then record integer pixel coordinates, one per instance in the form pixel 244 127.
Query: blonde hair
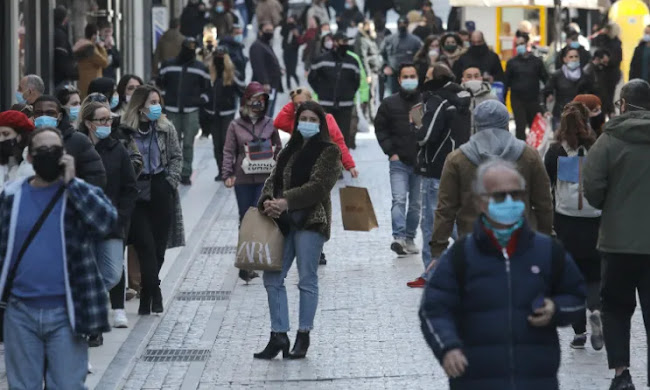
pixel 228 70
pixel 132 114
pixel 304 91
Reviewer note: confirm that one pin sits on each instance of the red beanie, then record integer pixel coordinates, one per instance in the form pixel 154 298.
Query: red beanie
pixel 591 101
pixel 17 121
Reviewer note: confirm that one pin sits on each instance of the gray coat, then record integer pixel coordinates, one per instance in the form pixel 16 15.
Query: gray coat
pixel 171 158
pixel 400 48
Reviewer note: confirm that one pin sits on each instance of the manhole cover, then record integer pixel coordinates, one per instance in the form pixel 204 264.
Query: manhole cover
pixel 176 355
pixel 218 250
pixel 203 295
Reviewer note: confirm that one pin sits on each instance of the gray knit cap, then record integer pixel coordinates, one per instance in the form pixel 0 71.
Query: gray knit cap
pixel 491 114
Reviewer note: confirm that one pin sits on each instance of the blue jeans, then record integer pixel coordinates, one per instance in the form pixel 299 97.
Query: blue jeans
pixel 243 11
pixel 110 260
pixel 429 201
pixel 41 341
pixel 305 246
pixel 404 183
pixel 247 196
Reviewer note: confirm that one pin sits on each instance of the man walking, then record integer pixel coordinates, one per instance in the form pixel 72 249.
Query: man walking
pixel 523 74
pixel 400 145
pixel 480 56
pixel 56 297
pixel 617 181
pixel 492 307
pixel 168 46
pixel 185 83
pixel 265 64
pixel 598 71
pixel 335 77
pixel 398 49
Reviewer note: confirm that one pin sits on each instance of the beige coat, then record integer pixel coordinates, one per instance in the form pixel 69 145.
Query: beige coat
pixel 92 60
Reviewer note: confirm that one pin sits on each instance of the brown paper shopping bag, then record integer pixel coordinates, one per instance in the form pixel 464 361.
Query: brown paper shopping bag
pixel 261 243
pixel 356 208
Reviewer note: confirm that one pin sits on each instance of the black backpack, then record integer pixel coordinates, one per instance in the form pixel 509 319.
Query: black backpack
pixel 459 264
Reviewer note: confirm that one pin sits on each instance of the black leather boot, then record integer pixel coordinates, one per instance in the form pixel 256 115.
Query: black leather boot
pixel 279 342
pixel 157 300
pixel 301 346
pixel 145 301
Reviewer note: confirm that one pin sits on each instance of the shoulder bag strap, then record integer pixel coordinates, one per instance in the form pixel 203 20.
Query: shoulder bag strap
pixel 30 237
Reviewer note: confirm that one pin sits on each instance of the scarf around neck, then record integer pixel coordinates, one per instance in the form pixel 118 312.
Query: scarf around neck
pixel 572 75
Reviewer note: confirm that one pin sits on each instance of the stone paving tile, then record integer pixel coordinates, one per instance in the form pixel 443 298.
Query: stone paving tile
pixel 367 333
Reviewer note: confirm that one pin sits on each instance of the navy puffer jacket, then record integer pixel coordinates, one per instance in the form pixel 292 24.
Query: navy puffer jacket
pixel 490 323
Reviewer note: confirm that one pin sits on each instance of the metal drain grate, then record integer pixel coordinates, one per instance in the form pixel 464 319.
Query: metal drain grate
pixel 218 250
pixel 176 355
pixel 203 295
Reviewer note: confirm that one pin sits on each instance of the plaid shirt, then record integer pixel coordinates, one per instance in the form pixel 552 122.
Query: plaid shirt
pixel 89 216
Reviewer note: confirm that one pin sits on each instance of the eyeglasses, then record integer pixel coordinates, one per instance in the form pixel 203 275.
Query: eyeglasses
pixel 620 102
pixel 501 196
pixel 103 121
pixel 295 92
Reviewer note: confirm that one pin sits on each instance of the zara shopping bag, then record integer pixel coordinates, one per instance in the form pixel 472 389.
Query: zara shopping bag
pixel 356 208
pixel 261 243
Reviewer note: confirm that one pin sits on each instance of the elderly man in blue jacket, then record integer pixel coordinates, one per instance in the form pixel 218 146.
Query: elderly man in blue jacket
pixel 492 305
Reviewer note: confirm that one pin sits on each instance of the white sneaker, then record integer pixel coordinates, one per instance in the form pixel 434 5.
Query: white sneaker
pixel 119 319
pixel 399 246
pixel 90 368
pixel 411 248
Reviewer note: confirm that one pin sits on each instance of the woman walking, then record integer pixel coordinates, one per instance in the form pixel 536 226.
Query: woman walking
pixel 297 195
pixel 157 221
pixel 15 129
pixel 120 189
pixel 125 88
pixel 576 222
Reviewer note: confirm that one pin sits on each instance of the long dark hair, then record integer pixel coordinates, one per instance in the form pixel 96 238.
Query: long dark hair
pixel 121 87
pixel 574 126
pixel 322 116
pixel 424 50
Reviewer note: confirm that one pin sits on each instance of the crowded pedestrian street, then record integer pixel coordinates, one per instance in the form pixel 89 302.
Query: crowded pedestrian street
pixel 324 194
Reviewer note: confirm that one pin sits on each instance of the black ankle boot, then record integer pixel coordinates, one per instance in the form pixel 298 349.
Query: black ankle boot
pixel 157 300
pixel 145 301
pixel 301 346
pixel 279 342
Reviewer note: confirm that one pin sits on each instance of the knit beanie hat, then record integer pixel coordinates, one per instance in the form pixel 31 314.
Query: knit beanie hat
pixel 16 120
pixel 592 102
pixel 491 114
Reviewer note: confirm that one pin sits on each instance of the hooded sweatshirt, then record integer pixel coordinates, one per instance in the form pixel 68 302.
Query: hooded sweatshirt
pixel 617 181
pixel 492 138
pixel 481 91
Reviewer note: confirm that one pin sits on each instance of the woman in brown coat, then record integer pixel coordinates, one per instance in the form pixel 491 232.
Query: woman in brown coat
pixel 91 57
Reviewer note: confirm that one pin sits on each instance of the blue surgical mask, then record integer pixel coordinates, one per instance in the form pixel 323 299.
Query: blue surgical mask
pixel 73 112
pixel 503 235
pixel 348 6
pixel 646 38
pixel 239 38
pixel 507 212
pixel 219 9
pixel 20 99
pixel 103 132
pixel 308 129
pixel 575 45
pixel 114 102
pixel 521 49
pixel 573 65
pixel 155 110
pixel 45 121
pixel 409 84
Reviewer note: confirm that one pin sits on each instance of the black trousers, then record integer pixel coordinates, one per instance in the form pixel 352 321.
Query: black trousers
pixel 218 129
pixel 343 116
pixel 291 64
pixel 623 276
pixel 150 225
pixel 524 112
pixel 118 293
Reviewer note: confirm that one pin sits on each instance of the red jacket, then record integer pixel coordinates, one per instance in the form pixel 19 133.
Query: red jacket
pixel 285 121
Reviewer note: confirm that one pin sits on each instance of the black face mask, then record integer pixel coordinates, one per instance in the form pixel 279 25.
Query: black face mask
pixel 257 106
pixel 7 148
pixel 597 121
pixel 267 36
pixel 186 55
pixel 343 49
pixel 402 29
pixel 47 163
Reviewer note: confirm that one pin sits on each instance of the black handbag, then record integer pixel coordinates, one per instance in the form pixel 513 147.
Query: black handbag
pixel 14 267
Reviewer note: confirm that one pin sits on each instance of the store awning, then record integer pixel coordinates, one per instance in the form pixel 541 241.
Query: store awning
pixel 584 4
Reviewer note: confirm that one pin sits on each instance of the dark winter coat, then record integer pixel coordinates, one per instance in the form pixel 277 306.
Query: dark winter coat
pixel 114 61
pixel 585 57
pixel 393 129
pixel 266 68
pixel 87 161
pixel 523 74
pixel 223 21
pixel 446 125
pixel 185 85
pixel 566 90
pixel 193 21
pixel 480 57
pixel 65 66
pixel 335 78
pixel 121 186
pixel 399 48
pixel 223 98
pixel 486 314
pixel 636 65
pixel 236 53
pixel 349 18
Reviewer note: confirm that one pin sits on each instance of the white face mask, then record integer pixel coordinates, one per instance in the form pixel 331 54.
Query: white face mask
pixel 328 45
pixel 127 98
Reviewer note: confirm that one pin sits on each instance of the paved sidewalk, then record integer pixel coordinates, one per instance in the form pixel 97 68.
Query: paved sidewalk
pixel 367 332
